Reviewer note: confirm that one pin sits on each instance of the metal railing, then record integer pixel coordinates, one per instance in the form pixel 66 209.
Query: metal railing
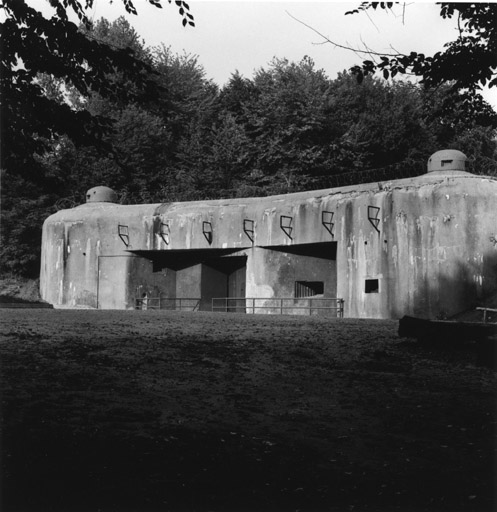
pixel 485 313
pixel 278 305
pixel 173 304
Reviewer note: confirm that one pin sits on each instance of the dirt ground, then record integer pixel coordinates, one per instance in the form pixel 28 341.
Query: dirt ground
pixel 168 411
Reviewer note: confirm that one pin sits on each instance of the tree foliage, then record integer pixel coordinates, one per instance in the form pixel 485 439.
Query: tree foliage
pixel 45 65
pixel 467 63
pixel 33 44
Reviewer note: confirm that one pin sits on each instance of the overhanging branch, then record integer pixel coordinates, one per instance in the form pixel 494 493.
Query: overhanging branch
pixel 326 40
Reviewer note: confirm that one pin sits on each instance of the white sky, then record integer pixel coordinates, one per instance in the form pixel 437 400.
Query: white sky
pixel 246 35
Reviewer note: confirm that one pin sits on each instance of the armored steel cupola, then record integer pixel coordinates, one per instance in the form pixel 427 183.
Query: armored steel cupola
pixel 101 195
pixel 447 160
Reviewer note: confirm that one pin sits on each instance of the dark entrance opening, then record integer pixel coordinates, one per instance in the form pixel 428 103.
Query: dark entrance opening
pixel 233 270
pixel 203 274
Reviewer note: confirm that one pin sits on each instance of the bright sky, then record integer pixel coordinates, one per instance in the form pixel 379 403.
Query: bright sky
pixel 246 35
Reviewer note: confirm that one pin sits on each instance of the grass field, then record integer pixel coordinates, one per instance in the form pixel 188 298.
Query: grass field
pixel 168 411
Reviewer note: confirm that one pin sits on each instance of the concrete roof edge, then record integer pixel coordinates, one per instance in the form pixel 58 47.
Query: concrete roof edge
pixel 153 209
pixel 416 181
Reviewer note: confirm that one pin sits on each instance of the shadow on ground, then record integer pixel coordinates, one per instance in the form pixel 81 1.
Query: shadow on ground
pixel 153 411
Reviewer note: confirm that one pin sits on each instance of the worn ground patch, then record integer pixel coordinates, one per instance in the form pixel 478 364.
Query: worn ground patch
pixel 157 411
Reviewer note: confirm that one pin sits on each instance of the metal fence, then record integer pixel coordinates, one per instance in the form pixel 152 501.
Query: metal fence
pixel 278 305
pixel 174 304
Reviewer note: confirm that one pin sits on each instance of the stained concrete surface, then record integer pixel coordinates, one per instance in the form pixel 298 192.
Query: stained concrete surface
pixel 428 241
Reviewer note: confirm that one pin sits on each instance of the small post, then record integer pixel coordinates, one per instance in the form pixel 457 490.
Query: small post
pixel 281 306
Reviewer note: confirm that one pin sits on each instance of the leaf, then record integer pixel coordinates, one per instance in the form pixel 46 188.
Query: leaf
pixel 386 74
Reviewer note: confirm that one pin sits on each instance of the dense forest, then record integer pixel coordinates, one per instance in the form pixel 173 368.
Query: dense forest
pixel 287 128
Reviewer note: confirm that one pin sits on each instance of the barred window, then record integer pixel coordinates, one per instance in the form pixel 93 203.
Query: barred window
pixel 308 288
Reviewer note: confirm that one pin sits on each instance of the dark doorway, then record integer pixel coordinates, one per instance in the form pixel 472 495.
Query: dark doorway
pixel 236 290
pixel 233 271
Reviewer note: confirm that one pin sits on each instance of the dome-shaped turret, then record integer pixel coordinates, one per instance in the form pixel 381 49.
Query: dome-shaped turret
pixel 447 160
pixel 101 195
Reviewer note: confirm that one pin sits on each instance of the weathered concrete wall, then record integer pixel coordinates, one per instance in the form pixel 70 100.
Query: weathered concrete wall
pixel 76 246
pixel 273 273
pixel 189 282
pixel 427 241
pixel 142 280
pixel 112 282
pixel 432 255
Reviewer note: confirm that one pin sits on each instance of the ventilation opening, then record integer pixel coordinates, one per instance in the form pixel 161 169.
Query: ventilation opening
pixel 372 286
pixel 308 288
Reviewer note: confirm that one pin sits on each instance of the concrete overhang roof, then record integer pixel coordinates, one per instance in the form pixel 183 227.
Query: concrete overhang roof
pixel 178 259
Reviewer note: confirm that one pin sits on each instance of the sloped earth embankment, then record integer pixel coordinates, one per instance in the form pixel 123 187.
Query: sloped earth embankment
pixel 155 411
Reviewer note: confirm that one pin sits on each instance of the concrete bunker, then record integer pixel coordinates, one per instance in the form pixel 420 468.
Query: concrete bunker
pixel 421 246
